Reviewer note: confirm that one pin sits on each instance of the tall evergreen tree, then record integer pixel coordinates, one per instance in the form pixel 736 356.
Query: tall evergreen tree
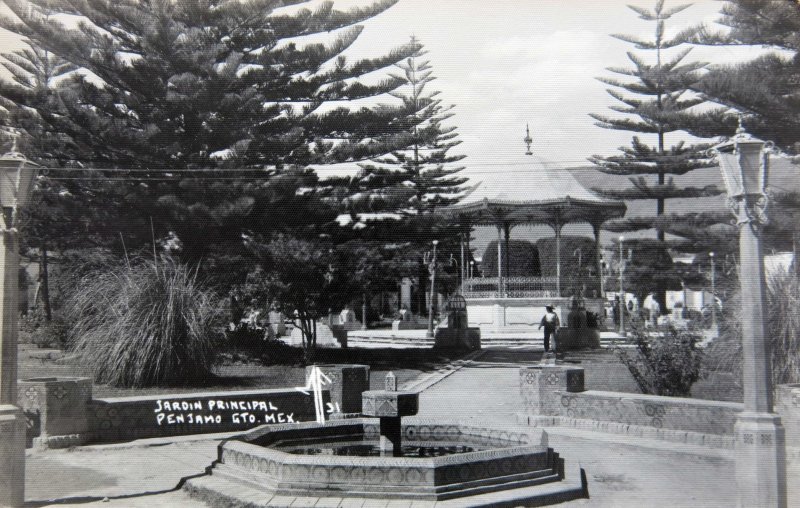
pixel 207 83
pixel 423 175
pixel 657 100
pixel 198 102
pixel 411 183
pixel 660 105
pixel 764 88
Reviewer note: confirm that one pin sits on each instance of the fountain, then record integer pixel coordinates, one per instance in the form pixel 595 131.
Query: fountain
pixel 389 459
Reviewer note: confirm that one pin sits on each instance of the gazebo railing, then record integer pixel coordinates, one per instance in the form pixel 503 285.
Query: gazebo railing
pixel 529 287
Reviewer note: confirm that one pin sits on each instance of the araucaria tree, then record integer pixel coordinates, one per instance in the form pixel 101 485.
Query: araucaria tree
pixel 422 175
pixel 189 108
pixel 656 100
pixel 763 88
pixel 660 104
pixel 206 83
pixel 412 182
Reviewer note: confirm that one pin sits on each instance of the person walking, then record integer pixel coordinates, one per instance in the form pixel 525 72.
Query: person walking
pixel 550 323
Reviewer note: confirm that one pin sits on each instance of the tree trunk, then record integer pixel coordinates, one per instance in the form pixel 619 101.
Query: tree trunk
pixel 44 285
pixel 364 311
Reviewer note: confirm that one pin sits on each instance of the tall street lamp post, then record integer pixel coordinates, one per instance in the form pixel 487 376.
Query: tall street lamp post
pixel 621 289
pixel 17 175
pixel 759 435
pixel 432 269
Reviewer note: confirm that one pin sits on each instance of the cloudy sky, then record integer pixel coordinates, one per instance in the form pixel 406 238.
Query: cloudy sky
pixel 508 63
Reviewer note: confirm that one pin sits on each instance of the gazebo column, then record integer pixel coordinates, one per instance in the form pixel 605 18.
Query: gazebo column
pixel 499 261
pixel 557 229
pixel 599 256
pixel 507 231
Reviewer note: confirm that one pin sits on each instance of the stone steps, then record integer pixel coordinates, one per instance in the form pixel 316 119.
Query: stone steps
pixel 218 491
pixel 363 341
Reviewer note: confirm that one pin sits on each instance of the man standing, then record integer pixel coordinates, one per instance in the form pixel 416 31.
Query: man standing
pixel 550 323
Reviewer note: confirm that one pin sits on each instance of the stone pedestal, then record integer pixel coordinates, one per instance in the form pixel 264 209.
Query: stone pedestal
pixel 390 407
pixel 12 456
pixel 541 385
pixel 348 382
pixel 760 460
pixel 58 407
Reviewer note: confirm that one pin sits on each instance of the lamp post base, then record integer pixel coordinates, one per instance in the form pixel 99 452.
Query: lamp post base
pixel 12 456
pixel 760 460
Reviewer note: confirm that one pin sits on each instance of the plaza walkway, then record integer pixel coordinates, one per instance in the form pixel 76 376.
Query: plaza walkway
pixel 484 389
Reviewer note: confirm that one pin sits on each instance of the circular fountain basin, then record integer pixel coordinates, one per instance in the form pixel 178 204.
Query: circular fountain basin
pixel 486 460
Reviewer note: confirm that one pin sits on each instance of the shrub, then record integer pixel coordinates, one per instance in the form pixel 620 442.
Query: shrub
pixel 664 365
pixel 569 262
pixel 145 325
pixel 783 331
pixel 523 259
pixel 54 334
pixel 44 334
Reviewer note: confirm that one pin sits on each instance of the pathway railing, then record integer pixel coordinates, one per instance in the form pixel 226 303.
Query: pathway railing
pixel 529 287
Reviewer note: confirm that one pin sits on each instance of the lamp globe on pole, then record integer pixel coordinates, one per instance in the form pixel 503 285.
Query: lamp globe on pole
pixel 759 434
pixel 17 175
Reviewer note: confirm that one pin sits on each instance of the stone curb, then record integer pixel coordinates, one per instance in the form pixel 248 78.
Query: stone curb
pixel 422 384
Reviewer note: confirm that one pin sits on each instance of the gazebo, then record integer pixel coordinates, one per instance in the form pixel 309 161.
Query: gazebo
pixel 529 191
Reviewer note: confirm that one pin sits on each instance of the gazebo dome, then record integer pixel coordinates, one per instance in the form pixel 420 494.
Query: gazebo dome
pixel 529 189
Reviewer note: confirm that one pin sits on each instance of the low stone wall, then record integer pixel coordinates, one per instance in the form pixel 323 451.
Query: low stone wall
pixel 555 395
pixel 61 412
pixel 676 413
pixel 126 418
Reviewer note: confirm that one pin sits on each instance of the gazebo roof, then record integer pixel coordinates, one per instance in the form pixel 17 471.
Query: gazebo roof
pixel 529 190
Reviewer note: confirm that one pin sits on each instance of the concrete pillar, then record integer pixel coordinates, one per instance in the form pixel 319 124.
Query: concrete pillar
pixel 61 406
pixel 348 383
pixel 541 385
pixel 12 421
pixel 760 437
pixel 405 294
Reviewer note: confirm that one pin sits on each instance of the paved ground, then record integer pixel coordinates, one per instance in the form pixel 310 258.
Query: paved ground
pixel 147 473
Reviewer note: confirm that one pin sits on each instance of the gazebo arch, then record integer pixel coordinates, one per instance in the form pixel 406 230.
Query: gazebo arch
pixel 528 191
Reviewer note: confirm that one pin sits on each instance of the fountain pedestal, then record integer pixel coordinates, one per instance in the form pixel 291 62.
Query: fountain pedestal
pixel 390 407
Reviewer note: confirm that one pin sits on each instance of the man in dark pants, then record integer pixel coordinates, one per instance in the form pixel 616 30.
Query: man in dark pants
pixel 550 323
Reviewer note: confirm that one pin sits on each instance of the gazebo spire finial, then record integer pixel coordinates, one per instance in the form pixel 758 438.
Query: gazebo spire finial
pixel 528 139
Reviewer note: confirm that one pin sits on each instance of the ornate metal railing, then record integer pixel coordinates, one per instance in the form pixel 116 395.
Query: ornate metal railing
pixel 529 287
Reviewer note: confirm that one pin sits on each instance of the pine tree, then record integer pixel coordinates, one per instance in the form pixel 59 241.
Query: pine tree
pixel 665 87
pixel 659 101
pixel 763 88
pixel 421 177
pixel 410 184
pixel 169 91
pixel 207 83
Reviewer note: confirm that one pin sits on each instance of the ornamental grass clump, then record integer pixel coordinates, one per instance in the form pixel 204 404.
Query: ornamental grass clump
pixel 783 331
pixel 149 324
